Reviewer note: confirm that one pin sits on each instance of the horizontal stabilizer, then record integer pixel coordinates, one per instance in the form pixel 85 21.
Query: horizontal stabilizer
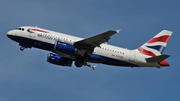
pixel 158 58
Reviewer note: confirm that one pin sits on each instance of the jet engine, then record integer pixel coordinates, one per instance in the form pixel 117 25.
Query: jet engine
pixel 64 47
pixel 58 60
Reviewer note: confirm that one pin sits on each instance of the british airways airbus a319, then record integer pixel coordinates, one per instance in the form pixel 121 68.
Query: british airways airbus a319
pixel 66 48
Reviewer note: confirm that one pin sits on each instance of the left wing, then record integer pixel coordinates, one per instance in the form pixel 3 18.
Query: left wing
pixel 88 45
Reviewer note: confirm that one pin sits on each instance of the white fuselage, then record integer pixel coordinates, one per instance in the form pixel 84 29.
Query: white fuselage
pixel 119 56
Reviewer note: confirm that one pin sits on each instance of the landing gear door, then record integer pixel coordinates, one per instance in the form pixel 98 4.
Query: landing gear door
pixel 132 56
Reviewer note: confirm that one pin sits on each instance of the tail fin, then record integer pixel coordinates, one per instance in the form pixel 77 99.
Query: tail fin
pixel 156 45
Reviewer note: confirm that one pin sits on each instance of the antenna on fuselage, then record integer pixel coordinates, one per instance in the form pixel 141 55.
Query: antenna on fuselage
pixel 36 26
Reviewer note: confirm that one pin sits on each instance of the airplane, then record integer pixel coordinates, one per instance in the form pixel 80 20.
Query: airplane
pixel 66 49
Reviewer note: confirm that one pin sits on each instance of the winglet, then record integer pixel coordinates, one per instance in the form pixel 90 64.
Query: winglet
pixel 118 31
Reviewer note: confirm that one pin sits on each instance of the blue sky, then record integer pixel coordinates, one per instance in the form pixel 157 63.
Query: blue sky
pixel 26 76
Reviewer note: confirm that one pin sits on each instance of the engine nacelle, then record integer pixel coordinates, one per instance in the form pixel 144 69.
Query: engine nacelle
pixel 64 47
pixel 58 60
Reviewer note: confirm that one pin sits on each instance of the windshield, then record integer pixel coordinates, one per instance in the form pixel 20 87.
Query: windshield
pixel 22 29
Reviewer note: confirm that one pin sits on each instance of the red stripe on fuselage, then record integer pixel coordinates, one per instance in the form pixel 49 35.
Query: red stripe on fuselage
pixel 164 38
pixel 146 52
pixel 34 29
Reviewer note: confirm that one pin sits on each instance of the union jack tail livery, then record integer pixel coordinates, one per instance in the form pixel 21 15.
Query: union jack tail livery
pixel 156 45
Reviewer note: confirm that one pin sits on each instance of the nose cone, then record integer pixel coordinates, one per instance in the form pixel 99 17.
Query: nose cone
pixel 11 34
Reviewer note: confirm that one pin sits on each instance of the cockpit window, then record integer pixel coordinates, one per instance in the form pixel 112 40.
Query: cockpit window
pixel 20 29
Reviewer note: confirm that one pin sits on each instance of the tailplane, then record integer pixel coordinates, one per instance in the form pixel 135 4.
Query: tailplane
pixel 157 58
pixel 156 45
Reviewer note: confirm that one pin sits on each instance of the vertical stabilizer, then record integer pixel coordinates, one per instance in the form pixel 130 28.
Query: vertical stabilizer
pixel 156 45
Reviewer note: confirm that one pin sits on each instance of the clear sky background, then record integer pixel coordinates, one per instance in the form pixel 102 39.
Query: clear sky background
pixel 26 76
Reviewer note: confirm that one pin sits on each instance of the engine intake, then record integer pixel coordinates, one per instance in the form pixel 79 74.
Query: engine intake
pixel 58 60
